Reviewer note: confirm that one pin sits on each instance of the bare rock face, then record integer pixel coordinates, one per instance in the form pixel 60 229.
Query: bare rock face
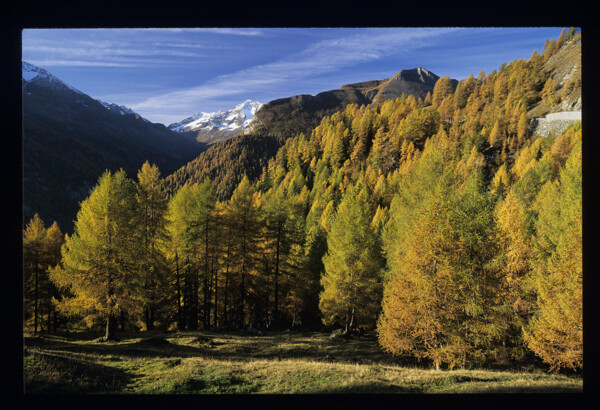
pixel 555 123
pixel 417 82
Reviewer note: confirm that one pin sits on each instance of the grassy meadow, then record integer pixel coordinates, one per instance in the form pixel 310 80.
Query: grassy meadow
pixel 233 363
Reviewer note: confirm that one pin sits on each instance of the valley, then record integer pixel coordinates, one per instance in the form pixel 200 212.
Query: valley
pixel 413 234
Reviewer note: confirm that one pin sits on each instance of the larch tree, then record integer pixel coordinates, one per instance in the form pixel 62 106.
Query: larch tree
pixel 152 207
pixel 243 220
pixel 442 88
pixel 100 259
pixel 278 242
pixel 515 257
pixel 351 280
pixel 204 227
pixel 412 318
pixel 555 332
pixel 180 252
pixel 34 236
pixel 52 250
pixel 440 299
pixel 190 216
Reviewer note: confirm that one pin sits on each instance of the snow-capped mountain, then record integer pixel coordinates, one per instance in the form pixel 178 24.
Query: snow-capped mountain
pixel 39 76
pixel 33 74
pixel 232 120
pixel 70 139
pixel 120 109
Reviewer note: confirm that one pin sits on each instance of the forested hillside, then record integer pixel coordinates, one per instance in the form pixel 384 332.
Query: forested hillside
pixel 443 222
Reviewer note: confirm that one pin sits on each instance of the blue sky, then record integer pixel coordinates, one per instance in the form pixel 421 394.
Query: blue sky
pixel 167 75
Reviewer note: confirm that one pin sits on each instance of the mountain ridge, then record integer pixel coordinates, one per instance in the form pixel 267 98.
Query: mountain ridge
pixel 307 110
pixel 283 118
pixel 70 139
pixel 210 127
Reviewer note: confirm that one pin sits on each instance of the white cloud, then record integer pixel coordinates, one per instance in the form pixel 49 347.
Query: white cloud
pixel 323 57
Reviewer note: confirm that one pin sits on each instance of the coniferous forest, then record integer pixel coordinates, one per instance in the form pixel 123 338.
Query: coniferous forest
pixel 445 225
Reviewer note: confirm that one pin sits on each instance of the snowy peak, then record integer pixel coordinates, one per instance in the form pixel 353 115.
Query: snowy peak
pixel 33 74
pixel 120 109
pixel 41 77
pixel 236 118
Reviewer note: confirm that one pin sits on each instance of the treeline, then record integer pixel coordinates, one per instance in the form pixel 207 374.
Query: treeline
pixel 442 223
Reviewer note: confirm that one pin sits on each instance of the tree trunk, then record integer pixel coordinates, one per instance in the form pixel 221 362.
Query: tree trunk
pixel 276 301
pixel 242 294
pixel 35 308
pixel 149 317
pixel 243 282
pixel 179 312
pixel 207 294
pixel 436 360
pixel 193 312
pixel 152 310
pixel 111 327
pixel 216 285
pixel 49 313
pixel 226 291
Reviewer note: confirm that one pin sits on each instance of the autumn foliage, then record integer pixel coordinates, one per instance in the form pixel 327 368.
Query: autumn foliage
pixel 444 224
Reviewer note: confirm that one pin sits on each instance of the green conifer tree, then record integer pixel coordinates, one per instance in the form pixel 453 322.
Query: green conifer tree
pixel 351 284
pixel 100 259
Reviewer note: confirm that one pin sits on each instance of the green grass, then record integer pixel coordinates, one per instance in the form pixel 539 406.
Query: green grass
pixel 233 363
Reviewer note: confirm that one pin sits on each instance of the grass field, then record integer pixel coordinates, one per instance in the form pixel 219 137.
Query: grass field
pixel 233 363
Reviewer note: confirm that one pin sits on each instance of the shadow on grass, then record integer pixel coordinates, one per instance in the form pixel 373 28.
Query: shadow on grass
pixel 235 346
pixel 46 372
pixel 368 388
pixel 379 388
pixel 129 350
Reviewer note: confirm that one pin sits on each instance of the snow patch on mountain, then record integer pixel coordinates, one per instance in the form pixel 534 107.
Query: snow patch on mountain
pixel 33 74
pixel 120 109
pixel 236 118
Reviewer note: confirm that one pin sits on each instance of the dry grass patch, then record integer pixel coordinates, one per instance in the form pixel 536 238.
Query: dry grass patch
pixel 277 363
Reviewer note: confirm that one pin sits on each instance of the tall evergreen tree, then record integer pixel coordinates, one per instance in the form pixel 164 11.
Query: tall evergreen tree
pixel 152 207
pixel 243 222
pixel 34 267
pixel 99 261
pixel 440 299
pixel 555 333
pixel 351 283
pixel 52 251
pixel 191 216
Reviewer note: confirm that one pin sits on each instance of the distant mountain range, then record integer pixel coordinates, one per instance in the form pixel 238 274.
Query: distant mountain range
pixel 210 127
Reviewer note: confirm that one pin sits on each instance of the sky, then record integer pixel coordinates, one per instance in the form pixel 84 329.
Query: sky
pixel 167 75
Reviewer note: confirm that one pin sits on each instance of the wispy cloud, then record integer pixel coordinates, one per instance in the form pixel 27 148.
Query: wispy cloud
pixel 79 63
pixel 108 48
pixel 322 57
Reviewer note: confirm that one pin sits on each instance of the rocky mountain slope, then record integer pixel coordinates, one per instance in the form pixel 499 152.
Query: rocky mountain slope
pixel 226 162
pixel 69 139
pixel 300 113
pixel 564 68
